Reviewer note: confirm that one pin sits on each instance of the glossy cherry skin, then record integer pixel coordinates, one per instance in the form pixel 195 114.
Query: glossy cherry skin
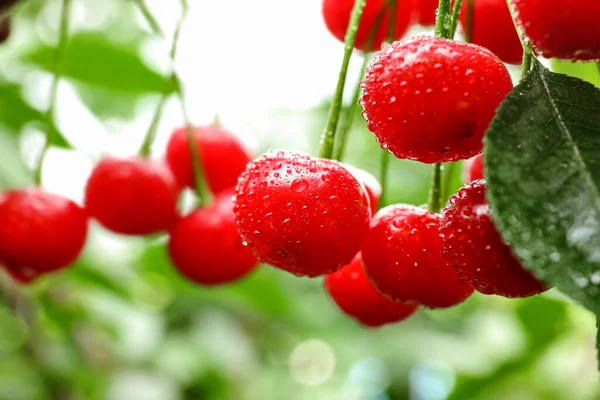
pixel 494 29
pixel 223 157
pixel 205 246
pixel 371 185
pixel 474 168
pixel 132 196
pixel 39 232
pixel 337 16
pixel 430 99
pixel 302 214
pixel 564 29
pixel 351 290
pixel 427 9
pixel 402 255
pixel 476 250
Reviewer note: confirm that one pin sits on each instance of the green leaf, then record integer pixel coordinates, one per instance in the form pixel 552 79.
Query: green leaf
pixel 542 157
pixel 94 60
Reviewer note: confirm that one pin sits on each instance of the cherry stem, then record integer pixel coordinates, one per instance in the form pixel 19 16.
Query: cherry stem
pixel 455 15
pixel 385 154
pixel 350 112
pixel 174 82
pixel 443 22
pixel 435 191
pixel 527 50
pixel 150 20
pixel 328 136
pixel 443 29
pixel 59 56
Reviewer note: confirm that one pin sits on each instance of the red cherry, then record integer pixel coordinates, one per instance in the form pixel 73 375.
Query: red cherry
pixel 494 29
pixel 132 196
pixel 474 168
pixel 303 214
pixel 427 9
pixel 566 29
pixel 431 99
pixel 354 295
pixel 371 184
pixel 402 255
pixel 476 251
pixel 205 246
pixel 337 16
pixel 39 233
pixel 223 157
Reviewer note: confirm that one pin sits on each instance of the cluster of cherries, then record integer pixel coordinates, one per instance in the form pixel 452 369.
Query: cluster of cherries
pixel 425 98
pixel 42 232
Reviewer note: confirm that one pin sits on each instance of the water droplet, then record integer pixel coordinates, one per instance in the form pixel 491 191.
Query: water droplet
pixel 299 185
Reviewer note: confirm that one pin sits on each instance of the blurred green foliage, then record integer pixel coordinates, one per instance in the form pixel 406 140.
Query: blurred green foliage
pixel 121 324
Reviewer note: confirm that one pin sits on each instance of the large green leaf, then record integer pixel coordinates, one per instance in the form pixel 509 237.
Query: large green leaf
pixel 94 60
pixel 542 157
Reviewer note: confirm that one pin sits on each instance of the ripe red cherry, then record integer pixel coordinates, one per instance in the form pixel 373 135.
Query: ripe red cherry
pixel 427 9
pixel 402 255
pixel 371 184
pixel 205 246
pixel 494 29
pixel 351 290
pixel 303 214
pixel 476 251
pixel 132 196
pixel 474 168
pixel 563 29
pixel 430 99
pixel 337 16
pixel 39 233
pixel 223 157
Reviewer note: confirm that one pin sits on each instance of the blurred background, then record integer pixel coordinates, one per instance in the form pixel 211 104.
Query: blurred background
pixel 121 324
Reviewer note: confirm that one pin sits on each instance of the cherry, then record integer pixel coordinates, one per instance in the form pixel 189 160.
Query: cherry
pixel 494 29
pixel 337 16
pixel 476 250
pixel 402 255
pixel 302 214
pixel 223 157
pixel 427 9
pixel 351 290
pixel 40 232
pixel 563 29
pixel 205 246
pixel 474 168
pixel 133 196
pixel 431 99
pixel 371 184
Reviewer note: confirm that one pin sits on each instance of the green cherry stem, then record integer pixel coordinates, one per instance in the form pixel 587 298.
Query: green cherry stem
pixel 443 29
pixel 342 135
pixel 202 190
pixel 455 15
pixel 435 191
pixel 385 154
pixel 150 20
pixel 328 136
pixel 527 50
pixel 174 82
pixel 443 21
pixel 51 131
